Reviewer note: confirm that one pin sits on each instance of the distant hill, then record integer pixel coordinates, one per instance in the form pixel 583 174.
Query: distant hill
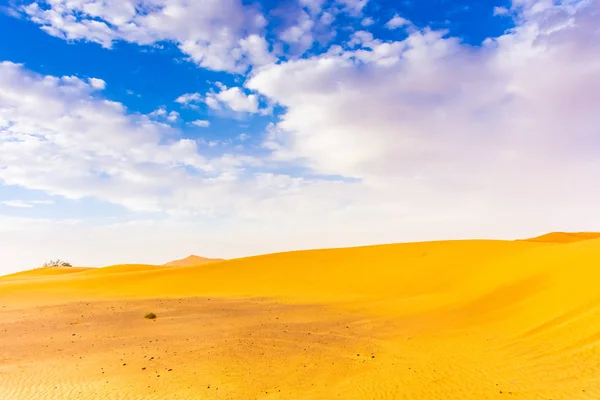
pixel 191 261
pixel 565 237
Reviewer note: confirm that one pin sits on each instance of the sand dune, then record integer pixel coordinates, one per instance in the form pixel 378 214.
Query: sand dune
pixel 43 272
pixel 439 320
pixel 120 269
pixel 566 237
pixel 191 261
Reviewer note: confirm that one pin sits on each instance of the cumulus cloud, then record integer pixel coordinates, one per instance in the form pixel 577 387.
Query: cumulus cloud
pixel 233 98
pixel 189 98
pixel 311 25
pixel 315 6
pixel 97 83
pixel 257 49
pixel 57 137
pixel 508 127
pixel 397 22
pixel 202 123
pixel 159 112
pixel 354 7
pixel 219 35
pixel 173 116
pixel 226 35
pixel 300 35
pixel 162 112
pixel 367 21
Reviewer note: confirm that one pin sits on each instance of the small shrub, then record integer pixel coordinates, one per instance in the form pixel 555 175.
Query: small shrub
pixel 150 315
pixel 56 263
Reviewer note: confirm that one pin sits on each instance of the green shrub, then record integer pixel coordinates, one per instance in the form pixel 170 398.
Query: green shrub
pixel 150 315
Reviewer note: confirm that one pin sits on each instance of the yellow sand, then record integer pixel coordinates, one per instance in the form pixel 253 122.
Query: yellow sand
pixel 465 320
pixel 42 272
pixel 192 261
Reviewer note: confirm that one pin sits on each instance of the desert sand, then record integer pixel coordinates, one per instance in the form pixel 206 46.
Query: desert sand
pixel 466 320
pixel 191 261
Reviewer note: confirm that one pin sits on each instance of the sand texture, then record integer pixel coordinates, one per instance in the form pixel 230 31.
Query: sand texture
pixel 466 320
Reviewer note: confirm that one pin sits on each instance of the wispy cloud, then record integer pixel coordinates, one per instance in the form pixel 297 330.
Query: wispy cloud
pixel 25 203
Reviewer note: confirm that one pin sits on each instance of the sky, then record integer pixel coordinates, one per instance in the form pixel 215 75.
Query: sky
pixel 140 131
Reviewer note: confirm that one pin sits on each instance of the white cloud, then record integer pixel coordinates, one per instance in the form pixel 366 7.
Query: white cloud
pixel 212 33
pixel 97 83
pixel 243 137
pixel 44 202
pixel 397 22
pixel 16 204
pixel 367 21
pixel 301 34
pixel 201 123
pixel 86 146
pixel 307 27
pixel 507 129
pixel 234 99
pixel 173 116
pixel 25 203
pixel 362 38
pixel 501 11
pixel 212 102
pixel 315 6
pixel 83 145
pixel 326 19
pixel 189 98
pixel 257 49
pixel 161 112
pixel 237 100
pixel 354 7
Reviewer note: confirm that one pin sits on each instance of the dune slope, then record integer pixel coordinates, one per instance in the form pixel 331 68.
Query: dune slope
pixel 439 320
pixel 42 273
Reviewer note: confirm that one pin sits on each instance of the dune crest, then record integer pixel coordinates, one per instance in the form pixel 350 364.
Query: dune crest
pixel 565 237
pixel 191 261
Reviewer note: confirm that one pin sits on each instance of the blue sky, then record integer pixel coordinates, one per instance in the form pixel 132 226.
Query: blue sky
pixel 142 131
pixel 146 77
